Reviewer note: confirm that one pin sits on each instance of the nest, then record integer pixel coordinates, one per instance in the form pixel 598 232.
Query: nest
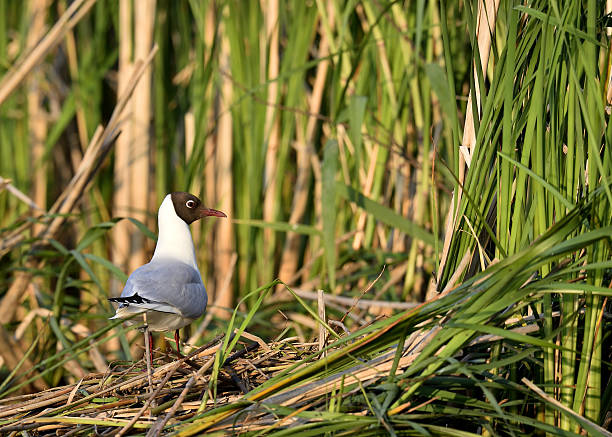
pixel 122 401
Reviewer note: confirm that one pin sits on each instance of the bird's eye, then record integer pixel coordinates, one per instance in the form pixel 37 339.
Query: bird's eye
pixel 190 203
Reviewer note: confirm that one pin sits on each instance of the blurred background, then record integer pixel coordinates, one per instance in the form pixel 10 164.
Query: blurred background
pixel 238 106
pixel 372 149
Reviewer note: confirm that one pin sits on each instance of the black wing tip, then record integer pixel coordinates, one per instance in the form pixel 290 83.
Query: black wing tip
pixel 134 299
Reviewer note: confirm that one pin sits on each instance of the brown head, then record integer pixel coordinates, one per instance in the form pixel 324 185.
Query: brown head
pixel 189 208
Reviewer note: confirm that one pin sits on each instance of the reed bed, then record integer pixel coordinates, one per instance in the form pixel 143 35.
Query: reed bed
pixel 424 188
pixel 121 401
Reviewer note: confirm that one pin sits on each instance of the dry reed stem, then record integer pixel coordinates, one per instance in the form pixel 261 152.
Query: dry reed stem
pixel 254 338
pixel 37 116
pixel 120 234
pixel 224 239
pixel 67 21
pixel 42 401
pixel 140 144
pixel 208 179
pixel 5 184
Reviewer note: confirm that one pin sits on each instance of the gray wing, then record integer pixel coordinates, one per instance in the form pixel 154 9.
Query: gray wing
pixel 170 283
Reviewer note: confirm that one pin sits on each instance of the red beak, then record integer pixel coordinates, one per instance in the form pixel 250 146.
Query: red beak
pixel 205 212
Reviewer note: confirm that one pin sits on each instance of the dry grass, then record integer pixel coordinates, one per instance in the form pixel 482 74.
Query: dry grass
pixel 119 400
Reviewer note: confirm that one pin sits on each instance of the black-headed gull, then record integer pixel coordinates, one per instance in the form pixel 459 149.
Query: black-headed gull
pixel 167 293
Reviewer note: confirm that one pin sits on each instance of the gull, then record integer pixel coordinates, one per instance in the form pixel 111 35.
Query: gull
pixel 167 293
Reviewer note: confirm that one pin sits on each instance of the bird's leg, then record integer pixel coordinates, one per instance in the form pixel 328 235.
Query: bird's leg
pixel 148 352
pixel 177 339
pixel 151 346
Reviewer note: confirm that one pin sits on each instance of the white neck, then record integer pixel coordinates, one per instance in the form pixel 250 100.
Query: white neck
pixel 174 238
